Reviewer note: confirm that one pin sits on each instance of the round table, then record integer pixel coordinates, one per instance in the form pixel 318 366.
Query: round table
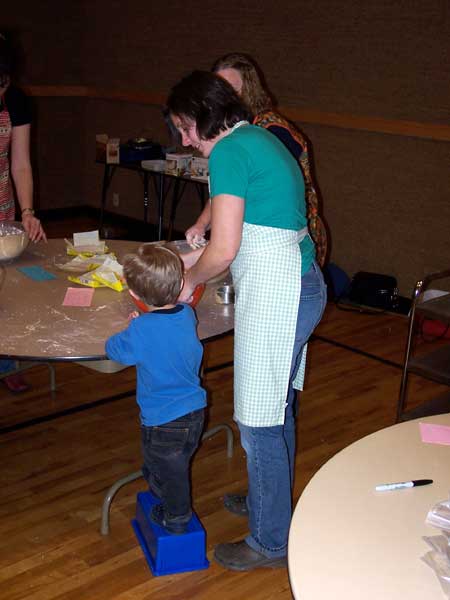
pixel 349 542
pixel 36 325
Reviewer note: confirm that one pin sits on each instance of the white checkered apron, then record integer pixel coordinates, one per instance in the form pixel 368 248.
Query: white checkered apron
pixel 267 280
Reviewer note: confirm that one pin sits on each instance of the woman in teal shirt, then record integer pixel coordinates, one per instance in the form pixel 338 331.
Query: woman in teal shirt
pixel 258 229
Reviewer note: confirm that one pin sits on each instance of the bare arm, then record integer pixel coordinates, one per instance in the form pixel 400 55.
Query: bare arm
pixel 23 180
pixel 227 216
pixel 197 231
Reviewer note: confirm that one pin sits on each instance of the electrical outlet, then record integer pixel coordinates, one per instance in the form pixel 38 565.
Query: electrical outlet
pixel 115 199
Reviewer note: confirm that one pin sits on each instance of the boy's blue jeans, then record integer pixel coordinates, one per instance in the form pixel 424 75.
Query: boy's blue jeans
pixel 168 450
pixel 271 450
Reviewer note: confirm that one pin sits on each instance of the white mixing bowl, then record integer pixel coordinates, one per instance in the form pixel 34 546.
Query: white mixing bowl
pixel 13 240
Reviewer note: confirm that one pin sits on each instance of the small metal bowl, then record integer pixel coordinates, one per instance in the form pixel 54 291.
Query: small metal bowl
pixel 225 294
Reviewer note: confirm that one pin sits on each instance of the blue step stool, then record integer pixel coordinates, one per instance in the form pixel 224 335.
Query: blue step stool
pixel 167 554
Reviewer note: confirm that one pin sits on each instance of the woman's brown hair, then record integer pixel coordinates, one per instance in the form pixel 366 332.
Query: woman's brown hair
pixel 209 101
pixel 254 90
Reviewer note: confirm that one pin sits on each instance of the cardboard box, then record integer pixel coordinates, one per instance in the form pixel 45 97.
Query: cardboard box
pixel 177 164
pixel 199 167
pixel 101 139
pixel 113 151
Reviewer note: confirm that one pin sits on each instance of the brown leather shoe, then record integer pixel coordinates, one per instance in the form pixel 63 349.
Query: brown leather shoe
pixel 240 557
pixel 236 504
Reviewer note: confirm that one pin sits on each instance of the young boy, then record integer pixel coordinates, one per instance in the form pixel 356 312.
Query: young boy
pixel 164 346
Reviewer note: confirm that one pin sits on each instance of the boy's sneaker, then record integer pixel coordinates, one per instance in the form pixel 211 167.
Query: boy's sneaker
pixel 176 525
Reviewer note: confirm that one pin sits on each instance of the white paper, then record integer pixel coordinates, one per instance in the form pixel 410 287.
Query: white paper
pixel 86 238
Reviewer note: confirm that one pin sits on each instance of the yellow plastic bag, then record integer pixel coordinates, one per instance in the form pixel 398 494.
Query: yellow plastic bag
pixel 111 275
pixel 86 251
pixel 86 279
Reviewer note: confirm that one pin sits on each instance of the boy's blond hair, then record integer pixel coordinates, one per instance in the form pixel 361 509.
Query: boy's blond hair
pixel 155 274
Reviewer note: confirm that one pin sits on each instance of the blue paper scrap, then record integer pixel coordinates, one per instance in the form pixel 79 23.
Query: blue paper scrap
pixel 36 273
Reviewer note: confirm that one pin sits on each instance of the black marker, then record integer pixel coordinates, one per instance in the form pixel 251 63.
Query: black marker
pixel 402 484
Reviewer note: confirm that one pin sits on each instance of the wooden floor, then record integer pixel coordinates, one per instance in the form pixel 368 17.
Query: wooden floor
pixel 60 452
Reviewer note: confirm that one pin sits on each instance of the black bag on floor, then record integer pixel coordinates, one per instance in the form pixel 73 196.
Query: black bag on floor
pixel 373 289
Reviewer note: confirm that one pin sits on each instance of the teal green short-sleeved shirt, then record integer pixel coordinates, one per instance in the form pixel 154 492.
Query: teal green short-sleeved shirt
pixel 253 164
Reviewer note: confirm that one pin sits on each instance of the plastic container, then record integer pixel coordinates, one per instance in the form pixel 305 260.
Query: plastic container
pixel 165 553
pixel 177 164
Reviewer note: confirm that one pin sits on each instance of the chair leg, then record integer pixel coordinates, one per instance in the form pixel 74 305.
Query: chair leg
pixel 402 397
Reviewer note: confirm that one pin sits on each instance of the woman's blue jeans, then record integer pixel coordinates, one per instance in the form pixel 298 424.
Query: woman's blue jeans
pixel 271 450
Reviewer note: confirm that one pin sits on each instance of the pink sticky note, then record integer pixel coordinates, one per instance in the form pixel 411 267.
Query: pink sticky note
pixel 435 434
pixel 78 296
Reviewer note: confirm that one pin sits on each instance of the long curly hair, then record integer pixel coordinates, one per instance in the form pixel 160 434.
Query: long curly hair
pixel 254 88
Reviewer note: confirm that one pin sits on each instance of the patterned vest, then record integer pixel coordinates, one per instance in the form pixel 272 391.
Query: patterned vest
pixel 316 226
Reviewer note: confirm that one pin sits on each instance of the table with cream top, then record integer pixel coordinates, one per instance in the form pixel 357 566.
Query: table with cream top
pixel 348 541
pixel 37 327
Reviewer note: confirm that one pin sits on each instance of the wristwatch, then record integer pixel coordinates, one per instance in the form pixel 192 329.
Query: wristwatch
pixel 28 210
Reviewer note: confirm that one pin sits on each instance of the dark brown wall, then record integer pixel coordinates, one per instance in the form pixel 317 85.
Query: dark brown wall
pixel 385 197
pixel 375 57
pixel 51 33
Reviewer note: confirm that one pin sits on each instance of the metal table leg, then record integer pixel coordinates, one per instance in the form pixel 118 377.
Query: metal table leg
pixel 112 491
pixel 146 197
pixel 159 183
pixel 160 205
pixel 107 177
pixel 23 366
pixel 104 528
pixel 178 191
pixel 230 439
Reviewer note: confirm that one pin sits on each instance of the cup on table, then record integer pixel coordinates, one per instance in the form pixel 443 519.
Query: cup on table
pixel 225 294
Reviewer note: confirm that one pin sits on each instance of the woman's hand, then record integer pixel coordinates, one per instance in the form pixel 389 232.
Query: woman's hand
pixel 195 235
pixel 33 227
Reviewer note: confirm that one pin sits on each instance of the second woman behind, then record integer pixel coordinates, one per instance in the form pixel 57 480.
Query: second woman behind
pixel 246 78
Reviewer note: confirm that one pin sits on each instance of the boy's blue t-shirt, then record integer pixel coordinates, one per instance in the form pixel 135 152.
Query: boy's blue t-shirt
pixel 165 348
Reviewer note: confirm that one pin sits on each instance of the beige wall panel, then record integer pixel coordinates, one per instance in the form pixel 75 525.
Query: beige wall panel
pixel 386 202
